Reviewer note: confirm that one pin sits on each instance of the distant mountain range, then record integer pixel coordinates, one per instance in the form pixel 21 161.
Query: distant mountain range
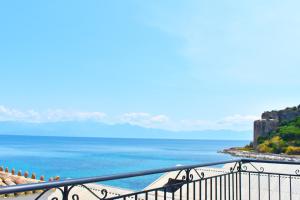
pixel 96 129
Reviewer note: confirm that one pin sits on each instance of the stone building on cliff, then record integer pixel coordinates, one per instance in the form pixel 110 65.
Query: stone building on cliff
pixel 271 120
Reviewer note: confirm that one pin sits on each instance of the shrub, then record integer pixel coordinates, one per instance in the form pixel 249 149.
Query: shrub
pixel 264 148
pixel 296 143
pixel 292 150
pixel 283 123
pixel 273 145
pixel 273 133
pixel 290 132
pixel 289 129
pixel 297 122
pixel 277 144
pixel 261 139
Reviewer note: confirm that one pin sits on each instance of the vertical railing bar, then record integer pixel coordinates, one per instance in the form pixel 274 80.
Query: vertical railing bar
pixel 211 191
pixel 232 186
pixel 189 177
pixel 155 194
pixel 205 189
pixel 236 186
pixel 180 193
pixel 225 183
pixel 240 184
pixel 279 189
pixel 258 176
pixel 194 190
pixel 220 187
pixel 269 187
pixel 146 195
pixel 216 188
pixel 290 187
pixel 229 185
pixel 188 190
pixel 200 189
pixel 249 186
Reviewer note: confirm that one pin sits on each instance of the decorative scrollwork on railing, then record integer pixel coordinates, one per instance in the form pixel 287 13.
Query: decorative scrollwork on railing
pixel 76 196
pixel 183 177
pixel 188 175
pixel 232 169
pixel 261 169
pixel 240 166
pixel 244 167
pixel 297 171
pixel 258 169
pixel 201 175
pixel 45 191
pixel 66 193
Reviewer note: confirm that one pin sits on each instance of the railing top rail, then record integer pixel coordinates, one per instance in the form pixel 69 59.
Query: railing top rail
pixel 80 181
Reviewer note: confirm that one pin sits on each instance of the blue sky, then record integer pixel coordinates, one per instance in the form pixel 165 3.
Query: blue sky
pixel 180 65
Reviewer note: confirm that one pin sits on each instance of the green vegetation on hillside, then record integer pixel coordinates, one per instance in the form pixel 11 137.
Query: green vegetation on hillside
pixel 286 139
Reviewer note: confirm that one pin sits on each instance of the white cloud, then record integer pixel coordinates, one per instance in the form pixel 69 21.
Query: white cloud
pixel 10 114
pixel 143 119
pixel 63 115
pixel 160 118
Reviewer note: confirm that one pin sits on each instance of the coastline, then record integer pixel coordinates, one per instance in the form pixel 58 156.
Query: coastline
pixel 261 156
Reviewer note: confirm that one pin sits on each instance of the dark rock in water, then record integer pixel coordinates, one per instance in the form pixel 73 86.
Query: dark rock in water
pixel 271 120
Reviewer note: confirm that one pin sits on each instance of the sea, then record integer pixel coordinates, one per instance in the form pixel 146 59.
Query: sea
pixel 77 157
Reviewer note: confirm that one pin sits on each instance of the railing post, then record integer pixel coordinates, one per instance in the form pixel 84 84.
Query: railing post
pixel 65 193
pixel 240 179
pixel 188 179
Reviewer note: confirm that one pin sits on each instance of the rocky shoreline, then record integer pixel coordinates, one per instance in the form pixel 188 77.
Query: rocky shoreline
pixel 261 156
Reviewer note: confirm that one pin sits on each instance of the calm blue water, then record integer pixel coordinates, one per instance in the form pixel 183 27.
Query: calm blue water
pixel 83 157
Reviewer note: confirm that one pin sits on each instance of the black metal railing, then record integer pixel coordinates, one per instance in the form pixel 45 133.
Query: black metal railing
pixel 229 180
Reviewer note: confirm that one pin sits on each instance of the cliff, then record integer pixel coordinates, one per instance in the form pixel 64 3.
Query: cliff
pixel 271 120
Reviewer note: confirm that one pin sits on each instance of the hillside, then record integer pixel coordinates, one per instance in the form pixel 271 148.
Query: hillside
pixel 271 120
